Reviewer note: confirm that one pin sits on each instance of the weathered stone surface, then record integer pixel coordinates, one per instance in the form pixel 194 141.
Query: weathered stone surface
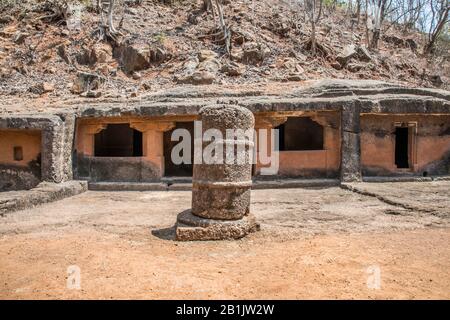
pixel 19 178
pixel 221 191
pixel 201 70
pixel 207 55
pixel 133 57
pixel 43 193
pixel 354 67
pixel 54 144
pixel 86 82
pixel 190 227
pixel 252 53
pixel 123 169
pixel 128 186
pixel 41 88
pixel 373 96
pixel 363 54
pixel 344 57
pixel 350 144
pixel 233 69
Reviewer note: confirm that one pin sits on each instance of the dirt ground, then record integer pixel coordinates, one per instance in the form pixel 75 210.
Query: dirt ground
pixel 314 244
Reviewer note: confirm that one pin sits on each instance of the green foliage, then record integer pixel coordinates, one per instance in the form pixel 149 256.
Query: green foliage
pixel 160 37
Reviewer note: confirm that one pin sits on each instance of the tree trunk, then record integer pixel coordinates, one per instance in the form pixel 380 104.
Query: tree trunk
pixel 375 38
pixel 313 37
pixel 443 17
pixel 110 16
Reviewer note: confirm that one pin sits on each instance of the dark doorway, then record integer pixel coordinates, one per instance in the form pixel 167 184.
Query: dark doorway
pixel 118 140
pixel 401 147
pixel 178 170
pixel 300 133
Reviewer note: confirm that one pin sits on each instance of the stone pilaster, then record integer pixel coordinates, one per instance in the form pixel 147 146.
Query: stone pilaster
pixel 350 144
pixel 152 140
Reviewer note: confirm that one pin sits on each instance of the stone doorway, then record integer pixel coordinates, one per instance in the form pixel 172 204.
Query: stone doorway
pixel 405 145
pixel 178 170
pixel 401 147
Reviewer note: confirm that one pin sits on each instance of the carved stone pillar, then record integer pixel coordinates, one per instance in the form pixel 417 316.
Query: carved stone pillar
pixel 221 188
pixel 152 140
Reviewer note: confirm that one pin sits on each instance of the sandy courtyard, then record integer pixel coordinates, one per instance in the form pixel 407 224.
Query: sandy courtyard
pixel 314 244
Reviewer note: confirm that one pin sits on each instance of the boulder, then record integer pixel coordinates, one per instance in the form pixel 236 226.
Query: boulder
pixel 201 70
pixel 363 54
pixel 91 94
pixel 20 37
pixel 295 76
pixel 412 44
pixel 233 69
pixel 254 53
pixel 158 54
pixel 42 88
pixel 336 65
pixel 394 40
pixel 62 52
pixel 133 57
pixel 354 67
pixel 344 57
pixel 86 57
pixel 201 77
pixel 86 82
pixel 206 55
pixel 436 80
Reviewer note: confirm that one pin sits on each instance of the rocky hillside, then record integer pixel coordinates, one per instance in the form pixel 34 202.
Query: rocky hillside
pixel 167 43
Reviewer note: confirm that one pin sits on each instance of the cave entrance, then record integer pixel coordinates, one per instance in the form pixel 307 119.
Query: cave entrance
pixel 402 147
pixel 118 140
pixel 178 170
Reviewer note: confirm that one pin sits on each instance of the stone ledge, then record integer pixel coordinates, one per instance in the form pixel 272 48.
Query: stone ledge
pixel 406 179
pixel 128 186
pixel 192 228
pixel 44 192
pixel 185 185
pixel 180 187
pixel 294 183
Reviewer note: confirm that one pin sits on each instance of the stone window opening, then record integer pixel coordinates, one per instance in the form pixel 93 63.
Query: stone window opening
pixel 18 153
pixel 118 140
pixel 300 134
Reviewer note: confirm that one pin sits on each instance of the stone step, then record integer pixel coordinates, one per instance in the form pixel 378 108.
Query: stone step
pixel 294 183
pixel 397 179
pixel 128 186
pixel 170 185
pixel 44 192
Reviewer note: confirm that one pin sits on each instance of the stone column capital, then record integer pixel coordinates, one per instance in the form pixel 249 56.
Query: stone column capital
pixel 269 122
pixel 95 128
pixel 160 126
